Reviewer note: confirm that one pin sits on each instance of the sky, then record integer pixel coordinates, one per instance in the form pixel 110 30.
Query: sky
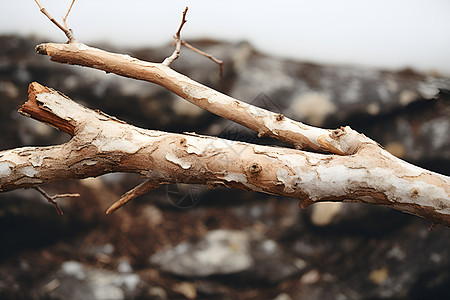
pixel 387 34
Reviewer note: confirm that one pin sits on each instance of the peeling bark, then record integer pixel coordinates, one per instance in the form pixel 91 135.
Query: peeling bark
pixel 343 141
pixel 101 144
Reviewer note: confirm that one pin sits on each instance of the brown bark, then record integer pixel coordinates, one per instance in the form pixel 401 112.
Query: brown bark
pixel 102 144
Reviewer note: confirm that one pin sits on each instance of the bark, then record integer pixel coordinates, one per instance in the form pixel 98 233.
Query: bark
pixel 342 141
pixel 101 144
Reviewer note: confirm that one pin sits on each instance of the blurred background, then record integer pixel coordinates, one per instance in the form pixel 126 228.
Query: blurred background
pixel 382 68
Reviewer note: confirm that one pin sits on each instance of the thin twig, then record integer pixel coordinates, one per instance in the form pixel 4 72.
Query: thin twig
pixel 178 42
pixel 137 191
pixel 176 52
pixel 68 32
pixel 217 61
pixel 51 199
pixel 67 14
pixel 183 20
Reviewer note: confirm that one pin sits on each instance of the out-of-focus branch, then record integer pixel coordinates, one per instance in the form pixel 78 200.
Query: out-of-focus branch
pixel 51 199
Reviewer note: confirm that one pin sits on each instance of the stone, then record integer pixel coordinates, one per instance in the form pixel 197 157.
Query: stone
pixel 78 281
pixel 220 252
pixel 248 256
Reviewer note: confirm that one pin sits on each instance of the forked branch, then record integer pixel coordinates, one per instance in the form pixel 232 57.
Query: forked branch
pixel 51 199
pixel 102 144
pixel 178 42
pixel 67 31
pixel 361 172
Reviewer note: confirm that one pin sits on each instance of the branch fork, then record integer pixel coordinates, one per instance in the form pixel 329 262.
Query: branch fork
pixel 345 164
pixel 179 42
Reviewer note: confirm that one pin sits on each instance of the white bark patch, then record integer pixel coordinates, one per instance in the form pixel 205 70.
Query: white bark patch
pixel 178 161
pixel 28 171
pixel 241 178
pixel 89 162
pixel 417 191
pixel 191 149
pixel 5 169
pixel 284 177
pixel 198 145
pixel 64 109
pixel 115 138
pixel 37 160
pixel 106 144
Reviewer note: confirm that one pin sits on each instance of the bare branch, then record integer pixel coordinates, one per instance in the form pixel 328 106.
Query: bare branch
pixel 51 199
pixel 137 191
pixel 178 42
pixel 67 14
pixel 342 141
pixel 176 52
pixel 217 61
pixel 68 32
pixel 102 144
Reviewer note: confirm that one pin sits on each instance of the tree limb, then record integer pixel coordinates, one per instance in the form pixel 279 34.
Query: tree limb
pixel 102 144
pixel 343 141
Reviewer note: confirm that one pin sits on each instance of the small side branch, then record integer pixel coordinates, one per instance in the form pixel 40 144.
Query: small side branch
pixel 137 191
pixel 67 14
pixel 217 61
pixel 68 32
pixel 177 37
pixel 178 42
pixel 51 199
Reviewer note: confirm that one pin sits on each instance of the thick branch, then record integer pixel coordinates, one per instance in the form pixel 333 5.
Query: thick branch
pixel 343 141
pixel 102 144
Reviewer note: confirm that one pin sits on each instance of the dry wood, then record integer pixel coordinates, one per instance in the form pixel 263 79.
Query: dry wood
pixel 344 140
pixel 358 170
pixel 102 144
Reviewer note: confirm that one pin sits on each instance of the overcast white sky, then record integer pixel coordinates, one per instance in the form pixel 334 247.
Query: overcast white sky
pixel 382 33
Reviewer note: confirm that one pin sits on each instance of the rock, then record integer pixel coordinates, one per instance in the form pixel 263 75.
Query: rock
pixel 157 293
pixel 377 267
pixel 272 264
pixel 77 281
pixel 223 252
pixel 220 252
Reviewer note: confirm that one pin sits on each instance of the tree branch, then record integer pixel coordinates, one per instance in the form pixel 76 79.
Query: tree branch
pixel 342 141
pixel 68 32
pixel 102 144
pixel 177 37
pixel 178 42
pixel 137 191
pixel 51 199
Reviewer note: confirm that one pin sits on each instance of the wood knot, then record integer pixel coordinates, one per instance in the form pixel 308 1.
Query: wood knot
pixel 279 117
pixel 41 49
pixel 338 132
pixel 414 193
pixel 254 168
